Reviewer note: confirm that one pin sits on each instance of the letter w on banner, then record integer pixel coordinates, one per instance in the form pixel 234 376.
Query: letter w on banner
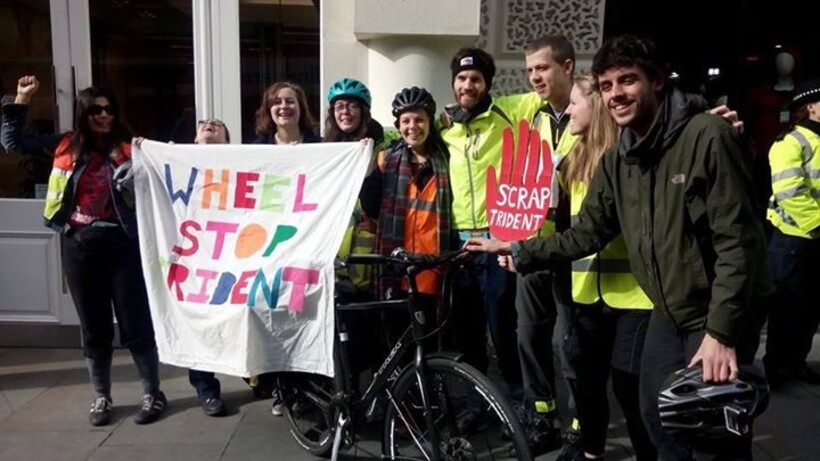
pixel 237 248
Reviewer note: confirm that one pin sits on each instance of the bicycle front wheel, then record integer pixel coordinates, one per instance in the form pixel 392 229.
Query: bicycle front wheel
pixel 471 419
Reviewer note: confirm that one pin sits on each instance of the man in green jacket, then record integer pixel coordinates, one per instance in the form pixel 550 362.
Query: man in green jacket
pixel 678 186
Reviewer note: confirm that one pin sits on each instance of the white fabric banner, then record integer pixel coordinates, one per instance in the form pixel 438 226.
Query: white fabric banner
pixel 238 244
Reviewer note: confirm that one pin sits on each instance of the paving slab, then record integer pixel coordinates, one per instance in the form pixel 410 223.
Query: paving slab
pixel 177 452
pixel 186 425
pixel 40 444
pixel 44 398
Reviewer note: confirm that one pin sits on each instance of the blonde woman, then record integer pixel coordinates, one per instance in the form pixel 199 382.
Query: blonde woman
pixel 607 334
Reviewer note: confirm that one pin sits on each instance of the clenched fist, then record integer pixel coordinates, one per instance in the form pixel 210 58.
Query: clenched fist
pixel 27 87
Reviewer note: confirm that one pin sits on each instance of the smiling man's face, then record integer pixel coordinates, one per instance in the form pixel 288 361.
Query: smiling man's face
pixel 630 96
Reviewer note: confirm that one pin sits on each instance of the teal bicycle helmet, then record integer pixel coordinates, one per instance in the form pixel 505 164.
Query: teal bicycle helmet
pixel 348 87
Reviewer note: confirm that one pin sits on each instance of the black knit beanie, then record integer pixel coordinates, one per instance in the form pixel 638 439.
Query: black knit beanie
pixel 474 58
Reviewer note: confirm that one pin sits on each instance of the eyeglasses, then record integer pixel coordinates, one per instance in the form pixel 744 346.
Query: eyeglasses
pixel 349 106
pixel 96 109
pixel 211 121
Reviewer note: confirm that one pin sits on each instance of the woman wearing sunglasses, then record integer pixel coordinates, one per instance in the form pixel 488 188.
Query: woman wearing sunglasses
pixel 97 223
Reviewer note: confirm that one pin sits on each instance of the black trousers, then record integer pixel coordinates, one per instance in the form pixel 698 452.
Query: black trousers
pixel 667 350
pixel 794 318
pixel 537 314
pixel 102 267
pixel 484 298
pixel 609 341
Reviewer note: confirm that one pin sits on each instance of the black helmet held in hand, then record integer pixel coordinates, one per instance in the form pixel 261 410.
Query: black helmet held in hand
pixel 414 98
pixel 702 412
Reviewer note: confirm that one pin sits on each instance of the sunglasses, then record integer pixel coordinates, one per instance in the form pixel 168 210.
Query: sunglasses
pixel 96 109
pixel 213 122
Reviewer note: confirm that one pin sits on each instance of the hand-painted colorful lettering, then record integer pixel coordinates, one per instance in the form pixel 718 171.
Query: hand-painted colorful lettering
pixel 237 244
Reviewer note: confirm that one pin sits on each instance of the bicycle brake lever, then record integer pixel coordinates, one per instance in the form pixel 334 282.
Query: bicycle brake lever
pixel 399 253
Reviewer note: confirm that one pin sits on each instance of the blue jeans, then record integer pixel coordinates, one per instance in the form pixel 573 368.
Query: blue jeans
pixel 205 383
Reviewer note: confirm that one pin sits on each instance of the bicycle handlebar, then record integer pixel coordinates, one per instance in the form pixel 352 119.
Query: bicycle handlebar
pixel 411 264
pixel 404 259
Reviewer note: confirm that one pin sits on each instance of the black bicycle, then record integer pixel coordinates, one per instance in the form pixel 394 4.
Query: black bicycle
pixel 437 407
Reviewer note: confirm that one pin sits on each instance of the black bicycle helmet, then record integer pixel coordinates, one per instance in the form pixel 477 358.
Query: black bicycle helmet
pixel 349 87
pixel 706 412
pixel 414 98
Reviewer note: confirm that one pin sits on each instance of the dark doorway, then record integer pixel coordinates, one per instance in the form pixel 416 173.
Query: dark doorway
pixel 741 38
pixel 699 34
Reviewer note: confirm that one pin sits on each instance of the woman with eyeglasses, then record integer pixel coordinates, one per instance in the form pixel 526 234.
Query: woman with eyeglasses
pixel 97 223
pixel 212 131
pixel 348 114
pixel 348 120
pixel 208 387
pixel 284 116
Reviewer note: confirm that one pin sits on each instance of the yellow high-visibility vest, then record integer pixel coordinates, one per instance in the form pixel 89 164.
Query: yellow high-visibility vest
pixel 605 276
pixel 565 143
pixel 794 207
pixel 61 170
pixel 476 145
pixel 359 238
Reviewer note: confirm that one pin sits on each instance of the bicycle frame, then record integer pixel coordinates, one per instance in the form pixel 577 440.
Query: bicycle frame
pixel 342 406
pixel 412 337
pixel 409 338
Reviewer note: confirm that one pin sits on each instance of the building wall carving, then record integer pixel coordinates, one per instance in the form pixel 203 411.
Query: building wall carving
pixel 507 25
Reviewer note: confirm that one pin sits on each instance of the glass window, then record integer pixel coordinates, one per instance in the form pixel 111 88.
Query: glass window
pixel 144 51
pixel 25 49
pixel 279 41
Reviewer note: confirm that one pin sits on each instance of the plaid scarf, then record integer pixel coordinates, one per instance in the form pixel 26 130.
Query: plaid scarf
pixel 398 172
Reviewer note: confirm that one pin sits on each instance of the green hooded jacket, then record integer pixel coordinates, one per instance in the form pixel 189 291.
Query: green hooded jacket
pixel 683 199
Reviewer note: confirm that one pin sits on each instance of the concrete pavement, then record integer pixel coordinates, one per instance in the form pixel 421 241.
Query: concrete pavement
pixel 45 396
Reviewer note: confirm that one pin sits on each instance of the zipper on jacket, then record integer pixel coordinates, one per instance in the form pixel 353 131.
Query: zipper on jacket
pixel 471 142
pixel 656 270
pixel 114 198
pixel 67 203
pixel 419 192
pixel 415 208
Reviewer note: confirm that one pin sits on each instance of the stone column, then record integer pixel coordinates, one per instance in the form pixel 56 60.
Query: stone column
pixel 390 45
